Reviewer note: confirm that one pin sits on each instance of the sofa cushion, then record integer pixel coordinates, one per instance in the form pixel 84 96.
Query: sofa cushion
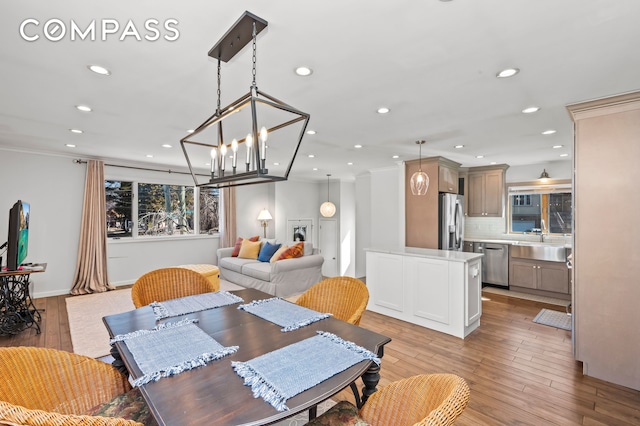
pixel 249 249
pixel 236 247
pixel 295 250
pixel 267 251
pixel 259 270
pixel 278 252
pixel 234 264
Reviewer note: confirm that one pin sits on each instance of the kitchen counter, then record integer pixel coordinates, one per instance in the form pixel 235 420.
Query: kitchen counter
pixel 436 289
pixel 516 242
pixel 450 255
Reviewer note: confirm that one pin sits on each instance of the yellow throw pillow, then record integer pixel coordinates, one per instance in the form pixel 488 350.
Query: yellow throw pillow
pixel 277 254
pixel 249 249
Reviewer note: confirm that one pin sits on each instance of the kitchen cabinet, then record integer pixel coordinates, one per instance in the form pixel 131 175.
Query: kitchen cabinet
pixel 486 191
pixel 437 289
pixel 539 275
pixel 421 212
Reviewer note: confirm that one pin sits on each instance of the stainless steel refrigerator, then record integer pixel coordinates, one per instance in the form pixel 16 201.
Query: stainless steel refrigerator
pixel 451 228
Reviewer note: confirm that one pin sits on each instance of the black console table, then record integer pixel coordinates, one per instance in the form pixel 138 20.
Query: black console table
pixel 17 311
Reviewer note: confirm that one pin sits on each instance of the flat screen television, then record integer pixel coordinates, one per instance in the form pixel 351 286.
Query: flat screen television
pixel 18 235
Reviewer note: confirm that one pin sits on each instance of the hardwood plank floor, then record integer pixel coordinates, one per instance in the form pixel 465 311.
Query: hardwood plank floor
pixel 519 372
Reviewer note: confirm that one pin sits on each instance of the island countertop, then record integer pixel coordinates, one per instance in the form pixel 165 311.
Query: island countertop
pixel 454 256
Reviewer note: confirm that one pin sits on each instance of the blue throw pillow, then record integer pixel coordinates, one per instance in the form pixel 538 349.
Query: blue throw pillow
pixel 267 251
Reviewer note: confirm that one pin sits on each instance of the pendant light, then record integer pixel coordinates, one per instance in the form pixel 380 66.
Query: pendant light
pixel 419 180
pixel 328 209
pixel 544 176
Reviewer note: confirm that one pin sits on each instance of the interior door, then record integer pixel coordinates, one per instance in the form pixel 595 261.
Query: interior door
pixel 328 245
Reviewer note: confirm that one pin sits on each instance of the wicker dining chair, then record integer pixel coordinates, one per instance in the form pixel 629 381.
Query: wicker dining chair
pixel 169 283
pixel 422 400
pixel 344 297
pixel 42 386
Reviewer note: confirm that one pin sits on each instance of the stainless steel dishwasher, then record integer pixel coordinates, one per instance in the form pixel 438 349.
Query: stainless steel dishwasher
pixel 495 263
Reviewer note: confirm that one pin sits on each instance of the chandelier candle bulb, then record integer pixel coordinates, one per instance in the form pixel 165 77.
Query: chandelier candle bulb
pixel 234 149
pixel 223 156
pixel 263 141
pixel 249 142
pixel 214 160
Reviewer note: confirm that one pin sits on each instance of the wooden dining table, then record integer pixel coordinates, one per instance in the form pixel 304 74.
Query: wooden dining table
pixel 214 394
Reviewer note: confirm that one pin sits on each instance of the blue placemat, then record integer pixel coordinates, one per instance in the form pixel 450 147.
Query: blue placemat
pixel 171 348
pixel 287 315
pixel 283 373
pixel 195 303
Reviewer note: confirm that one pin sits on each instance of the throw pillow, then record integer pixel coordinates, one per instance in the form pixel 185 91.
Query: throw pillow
pixel 295 250
pixel 249 249
pixel 267 250
pixel 277 254
pixel 236 247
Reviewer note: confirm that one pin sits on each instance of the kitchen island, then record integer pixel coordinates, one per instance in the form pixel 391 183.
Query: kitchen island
pixel 436 289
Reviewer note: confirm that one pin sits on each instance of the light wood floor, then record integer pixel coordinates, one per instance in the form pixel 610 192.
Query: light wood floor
pixel 519 372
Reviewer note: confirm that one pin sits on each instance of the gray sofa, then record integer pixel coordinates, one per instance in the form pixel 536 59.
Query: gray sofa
pixel 283 278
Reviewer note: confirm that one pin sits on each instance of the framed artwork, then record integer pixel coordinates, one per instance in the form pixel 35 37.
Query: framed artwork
pixel 300 230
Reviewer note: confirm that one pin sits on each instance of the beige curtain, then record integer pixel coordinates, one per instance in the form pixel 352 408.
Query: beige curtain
pixel 228 217
pixel 91 268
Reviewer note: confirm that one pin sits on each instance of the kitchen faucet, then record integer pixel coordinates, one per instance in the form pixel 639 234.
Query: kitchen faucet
pixel 543 227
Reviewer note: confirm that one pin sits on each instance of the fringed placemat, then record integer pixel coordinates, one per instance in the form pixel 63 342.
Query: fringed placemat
pixel 284 373
pixel 287 315
pixel 195 303
pixel 171 348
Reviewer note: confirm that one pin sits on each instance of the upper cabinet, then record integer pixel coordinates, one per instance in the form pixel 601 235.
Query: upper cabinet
pixel 486 191
pixel 447 175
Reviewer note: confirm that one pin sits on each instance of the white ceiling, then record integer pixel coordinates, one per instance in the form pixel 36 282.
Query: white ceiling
pixel 433 63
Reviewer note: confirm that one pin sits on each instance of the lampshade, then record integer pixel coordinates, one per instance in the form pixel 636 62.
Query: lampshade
pixel 264 215
pixel 328 209
pixel 544 176
pixel 419 180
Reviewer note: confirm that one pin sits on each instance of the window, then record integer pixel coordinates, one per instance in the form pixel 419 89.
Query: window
pixel 161 210
pixel 119 201
pixel 540 208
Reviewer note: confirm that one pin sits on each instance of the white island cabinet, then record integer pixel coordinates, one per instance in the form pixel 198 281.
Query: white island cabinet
pixel 437 289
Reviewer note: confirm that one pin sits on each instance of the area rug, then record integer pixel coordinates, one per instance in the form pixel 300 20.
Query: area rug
pixel 554 319
pixel 89 335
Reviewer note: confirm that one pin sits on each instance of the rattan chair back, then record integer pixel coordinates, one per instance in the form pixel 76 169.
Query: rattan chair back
pixel 40 386
pixel 344 297
pixel 426 399
pixel 169 283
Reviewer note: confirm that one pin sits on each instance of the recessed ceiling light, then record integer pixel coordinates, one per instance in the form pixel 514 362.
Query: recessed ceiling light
pixel 493 162
pixel 557 146
pixel 77 131
pixel 149 156
pixel 383 110
pixel 315 169
pixel 357 146
pixel 99 70
pixel 459 146
pixel 311 132
pixel 311 156
pixel 166 145
pixel 276 164
pixel 479 156
pixel 304 71
pixel 190 131
pixel 531 109
pixel 507 72
pixel 69 145
pixel 83 108
pixel 349 164
pixel 564 155
pixel 548 132
pixel 395 156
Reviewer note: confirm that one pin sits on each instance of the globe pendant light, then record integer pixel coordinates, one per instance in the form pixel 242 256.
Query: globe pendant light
pixel 328 209
pixel 419 180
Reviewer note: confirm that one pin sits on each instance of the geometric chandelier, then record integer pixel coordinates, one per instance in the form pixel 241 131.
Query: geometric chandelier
pixel 233 141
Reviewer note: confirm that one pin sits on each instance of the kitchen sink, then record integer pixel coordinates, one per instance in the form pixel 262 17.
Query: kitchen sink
pixel 539 251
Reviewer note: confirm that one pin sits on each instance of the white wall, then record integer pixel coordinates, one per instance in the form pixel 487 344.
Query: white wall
pixel 54 186
pixel 362 221
pixel 387 208
pixel 347 224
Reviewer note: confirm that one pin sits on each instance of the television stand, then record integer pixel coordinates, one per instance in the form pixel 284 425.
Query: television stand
pixel 17 311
